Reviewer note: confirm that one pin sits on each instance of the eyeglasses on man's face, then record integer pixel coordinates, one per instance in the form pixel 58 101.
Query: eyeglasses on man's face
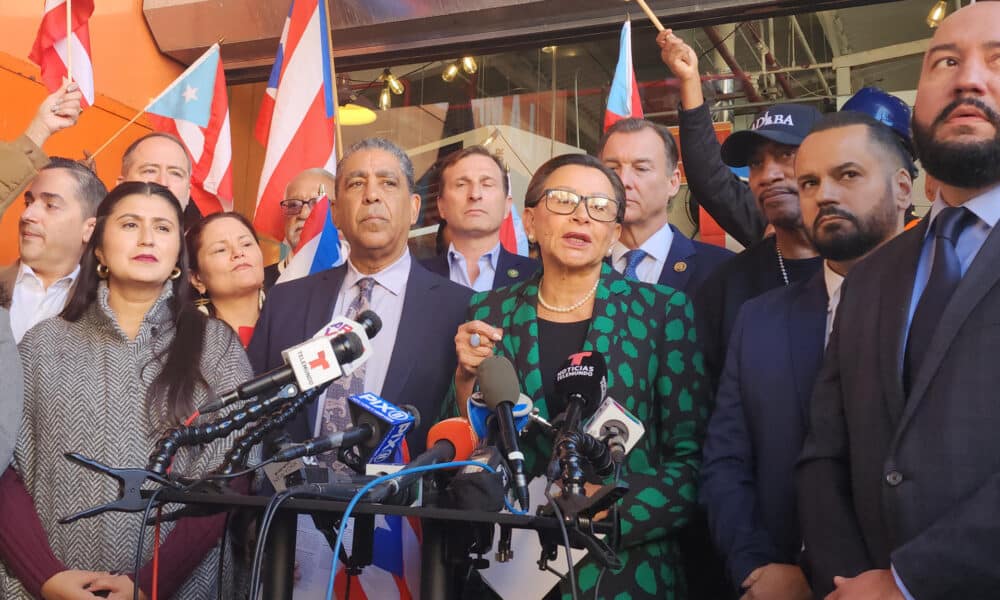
pixel 294 206
pixel 564 202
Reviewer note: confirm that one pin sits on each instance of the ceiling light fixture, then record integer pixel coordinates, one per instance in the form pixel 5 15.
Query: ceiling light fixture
pixel 392 82
pixel 937 14
pixel 385 98
pixel 469 65
pixel 450 73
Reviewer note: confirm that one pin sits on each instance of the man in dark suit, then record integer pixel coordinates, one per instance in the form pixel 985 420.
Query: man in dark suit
pixel 899 480
pixel 645 157
pixel 474 199
pixel 413 356
pixel 854 187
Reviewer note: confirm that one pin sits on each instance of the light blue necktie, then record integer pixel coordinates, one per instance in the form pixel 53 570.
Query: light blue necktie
pixel 632 260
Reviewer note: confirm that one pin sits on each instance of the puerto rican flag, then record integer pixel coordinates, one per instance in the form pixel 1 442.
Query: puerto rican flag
pixel 195 108
pixel 512 234
pixel 295 123
pixel 623 99
pixel 53 48
pixel 319 248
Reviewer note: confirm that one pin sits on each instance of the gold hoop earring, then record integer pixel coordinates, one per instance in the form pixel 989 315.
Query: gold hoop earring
pixel 175 273
pixel 103 271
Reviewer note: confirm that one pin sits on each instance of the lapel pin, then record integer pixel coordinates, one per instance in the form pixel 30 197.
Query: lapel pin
pixel 680 266
pixel 512 273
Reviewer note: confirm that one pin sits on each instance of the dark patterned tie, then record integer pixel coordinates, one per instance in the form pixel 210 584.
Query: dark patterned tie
pixel 336 415
pixel 946 273
pixel 632 260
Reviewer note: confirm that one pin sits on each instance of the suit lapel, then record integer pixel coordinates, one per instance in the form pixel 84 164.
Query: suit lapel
pixel 981 277
pixel 682 252
pixel 8 276
pixel 806 333
pixel 416 306
pixel 894 311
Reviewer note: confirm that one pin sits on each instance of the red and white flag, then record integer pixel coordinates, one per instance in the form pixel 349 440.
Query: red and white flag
pixel 195 108
pixel 53 47
pixel 295 123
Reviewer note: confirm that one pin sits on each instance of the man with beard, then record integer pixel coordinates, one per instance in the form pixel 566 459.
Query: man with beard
pixel 854 184
pixel 768 148
pixel 899 480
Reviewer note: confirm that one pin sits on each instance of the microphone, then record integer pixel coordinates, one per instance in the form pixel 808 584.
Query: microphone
pixel 307 364
pixel 619 428
pixel 500 390
pixel 582 382
pixel 483 422
pixel 379 428
pixel 447 440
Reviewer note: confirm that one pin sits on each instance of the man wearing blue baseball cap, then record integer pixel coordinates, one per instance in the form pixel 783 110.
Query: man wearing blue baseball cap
pixel 768 148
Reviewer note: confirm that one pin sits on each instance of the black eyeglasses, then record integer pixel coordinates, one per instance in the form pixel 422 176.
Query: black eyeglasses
pixel 564 202
pixel 292 206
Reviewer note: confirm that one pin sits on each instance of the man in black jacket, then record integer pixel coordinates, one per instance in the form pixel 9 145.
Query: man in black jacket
pixel 768 148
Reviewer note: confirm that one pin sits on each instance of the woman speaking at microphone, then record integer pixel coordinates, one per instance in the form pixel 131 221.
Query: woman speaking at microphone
pixel 574 208
pixel 129 358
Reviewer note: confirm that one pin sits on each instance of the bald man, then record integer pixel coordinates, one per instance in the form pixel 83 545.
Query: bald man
pixel 301 195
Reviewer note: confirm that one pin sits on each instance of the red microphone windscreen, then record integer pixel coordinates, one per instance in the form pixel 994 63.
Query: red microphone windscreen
pixel 458 432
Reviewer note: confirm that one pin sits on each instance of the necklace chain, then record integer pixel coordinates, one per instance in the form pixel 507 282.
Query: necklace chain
pixel 781 263
pixel 566 309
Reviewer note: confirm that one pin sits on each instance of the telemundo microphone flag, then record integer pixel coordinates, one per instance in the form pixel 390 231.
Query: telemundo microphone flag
pixel 296 119
pixel 195 108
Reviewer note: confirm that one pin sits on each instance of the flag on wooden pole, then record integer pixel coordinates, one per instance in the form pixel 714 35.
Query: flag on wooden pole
pixel 54 50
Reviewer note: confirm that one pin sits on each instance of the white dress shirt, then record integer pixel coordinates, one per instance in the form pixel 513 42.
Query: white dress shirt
pixel 32 303
pixel 657 247
pixel 387 301
pixel 833 282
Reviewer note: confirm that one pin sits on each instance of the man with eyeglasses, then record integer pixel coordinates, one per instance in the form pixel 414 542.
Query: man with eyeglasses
pixel 645 156
pixel 301 195
pixel 474 198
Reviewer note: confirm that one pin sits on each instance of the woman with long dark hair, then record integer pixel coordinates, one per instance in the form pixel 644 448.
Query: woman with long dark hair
pixel 227 269
pixel 129 357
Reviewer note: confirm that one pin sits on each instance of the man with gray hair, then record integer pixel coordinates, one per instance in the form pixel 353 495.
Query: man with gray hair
pixel 58 219
pixel 301 195
pixel 420 311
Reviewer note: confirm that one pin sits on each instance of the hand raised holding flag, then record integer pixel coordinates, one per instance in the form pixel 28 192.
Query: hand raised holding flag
pixel 59 110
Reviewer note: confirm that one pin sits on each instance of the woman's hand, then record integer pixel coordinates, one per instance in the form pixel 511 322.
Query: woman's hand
pixel 71 585
pixel 119 587
pixel 474 343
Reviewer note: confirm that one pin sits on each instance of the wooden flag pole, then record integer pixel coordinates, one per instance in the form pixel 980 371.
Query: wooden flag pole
pixel 69 41
pixel 338 138
pixel 118 133
pixel 652 16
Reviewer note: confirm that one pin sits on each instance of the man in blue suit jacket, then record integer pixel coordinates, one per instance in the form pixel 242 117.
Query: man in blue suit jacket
pixel 854 187
pixel 413 356
pixel 474 199
pixel 645 156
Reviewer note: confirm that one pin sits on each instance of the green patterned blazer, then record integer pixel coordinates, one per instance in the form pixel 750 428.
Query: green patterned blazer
pixel 655 369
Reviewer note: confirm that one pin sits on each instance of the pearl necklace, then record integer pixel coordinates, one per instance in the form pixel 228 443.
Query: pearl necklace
pixel 781 263
pixel 566 309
